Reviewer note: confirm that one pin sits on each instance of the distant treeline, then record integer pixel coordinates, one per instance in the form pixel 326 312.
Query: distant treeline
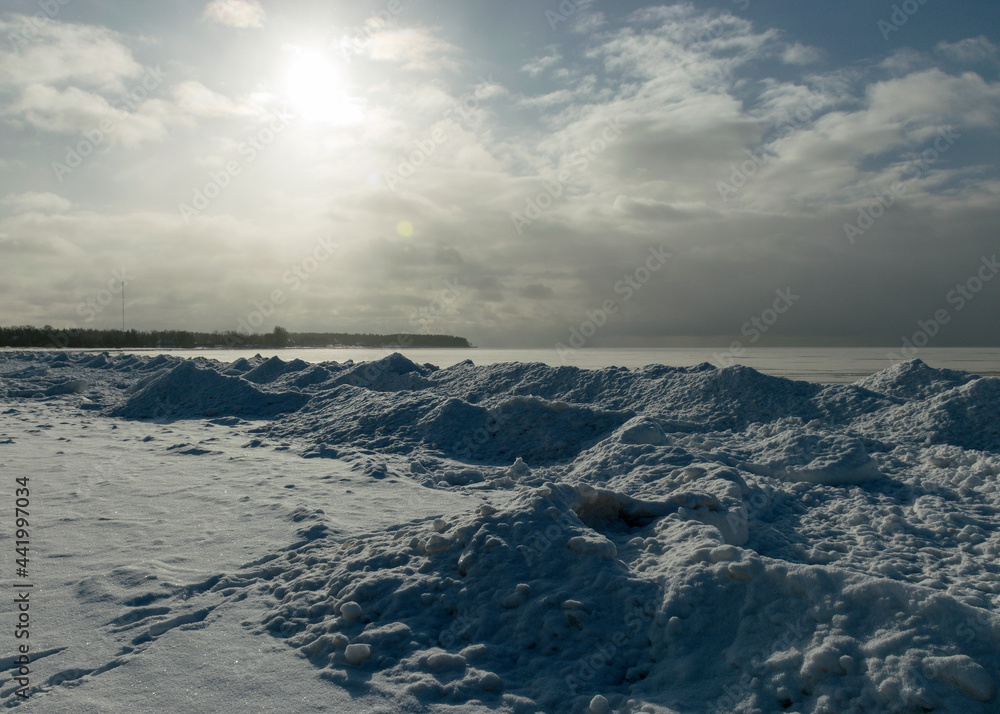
pixel 29 336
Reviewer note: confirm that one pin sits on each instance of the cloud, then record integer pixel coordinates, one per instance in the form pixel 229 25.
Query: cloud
pixel 799 54
pixel 73 110
pixel 488 89
pixel 414 49
pixel 973 50
pixel 692 94
pixel 235 13
pixel 195 99
pixel 73 78
pixel 65 111
pixel 31 201
pixel 537 65
pixel 935 97
pixel 649 209
pixel 62 52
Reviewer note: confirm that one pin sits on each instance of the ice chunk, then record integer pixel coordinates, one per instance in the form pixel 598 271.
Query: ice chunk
pixel 643 430
pixel 964 673
pixel 593 545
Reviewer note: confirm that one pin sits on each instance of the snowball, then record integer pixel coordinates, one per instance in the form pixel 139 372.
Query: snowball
pixel 356 654
pixel 599 705
pixel 351 611
pixel 444 660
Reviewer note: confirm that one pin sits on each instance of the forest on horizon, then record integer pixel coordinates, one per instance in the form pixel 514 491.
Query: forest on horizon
pixel 66 338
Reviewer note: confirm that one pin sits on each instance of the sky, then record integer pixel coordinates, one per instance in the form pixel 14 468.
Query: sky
pixel 523 174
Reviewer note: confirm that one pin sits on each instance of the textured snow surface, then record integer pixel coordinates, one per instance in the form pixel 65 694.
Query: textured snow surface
pixel 526 538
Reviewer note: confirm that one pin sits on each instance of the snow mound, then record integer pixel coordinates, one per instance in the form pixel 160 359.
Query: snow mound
pixel 389 374
pixel 815 456
pixel 495 607
pixel 643 430
pixel 914 380
pixel 528 607
pixel 188 391
pixel 535 429
pixel 967 416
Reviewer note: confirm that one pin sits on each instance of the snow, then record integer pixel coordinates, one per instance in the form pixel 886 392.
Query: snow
pixel 391 536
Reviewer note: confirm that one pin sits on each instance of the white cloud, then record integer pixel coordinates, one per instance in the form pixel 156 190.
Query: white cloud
pixel 73 78
pixel 61 53
pixel 72 110
pixel 537 65
pixel 413 48
pixel 31 201
pixel 934 97
pixel 972 50
pixel 65 111
pixel 905 60
pixel 235 13
pixel 196 99
pixel 799 54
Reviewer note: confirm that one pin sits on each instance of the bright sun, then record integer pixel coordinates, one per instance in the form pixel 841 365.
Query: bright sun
pixel 316 89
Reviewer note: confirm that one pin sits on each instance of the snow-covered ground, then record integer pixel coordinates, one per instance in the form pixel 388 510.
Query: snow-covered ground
pixel 292 537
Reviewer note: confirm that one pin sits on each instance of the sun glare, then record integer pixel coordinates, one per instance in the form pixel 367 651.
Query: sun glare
pixel 316 90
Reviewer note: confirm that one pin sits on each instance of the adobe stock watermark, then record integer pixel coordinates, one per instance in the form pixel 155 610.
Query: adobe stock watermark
pixel 219 181
pixel 757 325
pixel 960 296
pixel 627 287
pixel 564 11
pixel 535 205
pixel 885 200
pixel 901 14
pixel 91 139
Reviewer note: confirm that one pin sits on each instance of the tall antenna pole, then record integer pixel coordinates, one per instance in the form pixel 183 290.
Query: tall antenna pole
pixel 123 305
